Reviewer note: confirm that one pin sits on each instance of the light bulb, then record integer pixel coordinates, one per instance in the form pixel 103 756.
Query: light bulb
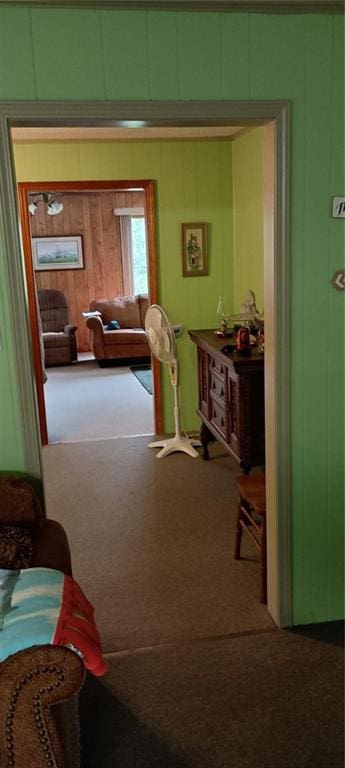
pixel 54 208
pixel 32 208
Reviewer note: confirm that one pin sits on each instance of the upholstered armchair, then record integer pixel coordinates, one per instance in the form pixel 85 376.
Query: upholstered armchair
pixel 38 704
pixel 128 340
pixel 59 339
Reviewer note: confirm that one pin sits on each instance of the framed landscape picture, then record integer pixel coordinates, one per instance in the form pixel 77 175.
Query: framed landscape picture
pixel 57 252
pixel 194 250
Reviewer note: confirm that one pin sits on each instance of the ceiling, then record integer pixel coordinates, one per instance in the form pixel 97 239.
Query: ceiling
pixel 126 134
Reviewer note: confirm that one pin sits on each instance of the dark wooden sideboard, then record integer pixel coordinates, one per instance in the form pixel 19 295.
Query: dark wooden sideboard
pixel 231 399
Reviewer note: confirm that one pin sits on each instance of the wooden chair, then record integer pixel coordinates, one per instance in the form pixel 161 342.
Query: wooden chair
pixel 251 517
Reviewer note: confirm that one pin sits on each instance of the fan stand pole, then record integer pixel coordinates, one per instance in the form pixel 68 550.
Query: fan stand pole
pixel 177 443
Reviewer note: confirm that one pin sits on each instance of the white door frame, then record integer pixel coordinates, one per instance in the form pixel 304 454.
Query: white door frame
pixel 275 115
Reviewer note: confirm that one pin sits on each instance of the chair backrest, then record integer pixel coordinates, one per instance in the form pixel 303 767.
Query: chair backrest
pixel 53 309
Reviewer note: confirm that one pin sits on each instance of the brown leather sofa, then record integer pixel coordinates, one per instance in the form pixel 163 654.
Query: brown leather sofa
pixel 127 342
pixel 34 733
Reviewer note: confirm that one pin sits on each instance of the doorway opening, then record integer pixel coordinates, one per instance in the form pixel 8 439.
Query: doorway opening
pixel 111 223
pixel 274 116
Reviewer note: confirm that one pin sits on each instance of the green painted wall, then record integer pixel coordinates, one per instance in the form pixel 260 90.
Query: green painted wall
pixel 193 182
pixel 11 447
pixel 113 54
pixel 248 218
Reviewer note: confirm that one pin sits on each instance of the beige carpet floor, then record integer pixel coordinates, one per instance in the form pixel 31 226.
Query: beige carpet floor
pixel 152 541
pixel 85 402
pixel 198 675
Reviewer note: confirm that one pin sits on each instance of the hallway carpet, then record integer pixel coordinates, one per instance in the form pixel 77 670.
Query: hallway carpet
pixel 152 541
pixel 268 700
pixel 198 677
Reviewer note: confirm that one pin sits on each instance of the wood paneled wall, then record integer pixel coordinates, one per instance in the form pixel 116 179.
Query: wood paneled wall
pixel 91 216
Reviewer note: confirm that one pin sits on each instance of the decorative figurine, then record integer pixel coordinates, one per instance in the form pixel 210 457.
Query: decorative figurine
pixel 243 341
pixel 222 316
pixel 249 305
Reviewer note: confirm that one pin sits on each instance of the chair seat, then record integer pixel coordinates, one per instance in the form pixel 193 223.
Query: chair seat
pixel 53 340
pixel 252 488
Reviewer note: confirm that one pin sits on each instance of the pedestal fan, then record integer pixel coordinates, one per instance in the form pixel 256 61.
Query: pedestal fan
pixel 161 339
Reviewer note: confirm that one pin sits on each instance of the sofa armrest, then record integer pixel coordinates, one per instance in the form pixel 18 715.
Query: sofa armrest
pixel 95 325
pixel 31 682
pixel 70 329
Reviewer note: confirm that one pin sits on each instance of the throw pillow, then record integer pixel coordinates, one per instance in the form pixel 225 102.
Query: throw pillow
pixel 15 547
pixel 113 325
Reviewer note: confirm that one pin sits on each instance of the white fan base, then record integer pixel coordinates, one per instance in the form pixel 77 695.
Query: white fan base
pixel 173 444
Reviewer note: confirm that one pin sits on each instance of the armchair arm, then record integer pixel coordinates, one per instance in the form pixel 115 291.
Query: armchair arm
pixel 70 329
pixel 31 682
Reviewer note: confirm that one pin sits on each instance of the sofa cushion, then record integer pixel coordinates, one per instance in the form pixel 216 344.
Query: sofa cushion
pixel 125 309
pixel 125 336
pixel 16 545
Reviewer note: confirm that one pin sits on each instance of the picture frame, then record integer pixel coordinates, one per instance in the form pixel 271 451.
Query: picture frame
pixel 55 253
pixel 194 249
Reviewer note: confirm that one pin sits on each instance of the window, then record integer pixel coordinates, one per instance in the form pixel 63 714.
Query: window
pixel 134 252
pixel 139 261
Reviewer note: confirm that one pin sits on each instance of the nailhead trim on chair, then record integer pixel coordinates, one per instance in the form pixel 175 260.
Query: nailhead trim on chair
pixel 37 712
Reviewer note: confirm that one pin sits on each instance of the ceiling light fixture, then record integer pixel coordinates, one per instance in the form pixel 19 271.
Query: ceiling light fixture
pixel 53 206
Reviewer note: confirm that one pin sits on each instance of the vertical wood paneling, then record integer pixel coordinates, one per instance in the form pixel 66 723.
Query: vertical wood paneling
pixel 90 216
pixel 68 53
pixel 125 49
pixel 336 346
pixel 316 294
pixel 17 75
pixel 200 55
pixel 11 448
pixel 236 71
pixel 277 46
pixel 248 218
pixel 163 67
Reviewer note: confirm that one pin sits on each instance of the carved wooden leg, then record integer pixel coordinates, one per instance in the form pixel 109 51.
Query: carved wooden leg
pixel 263 562
pixel 238 535
pixel 206 437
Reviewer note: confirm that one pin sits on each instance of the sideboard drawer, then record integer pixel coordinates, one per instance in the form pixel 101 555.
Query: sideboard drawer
pixel 217 366
pixel 219 418
pixel 218 385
